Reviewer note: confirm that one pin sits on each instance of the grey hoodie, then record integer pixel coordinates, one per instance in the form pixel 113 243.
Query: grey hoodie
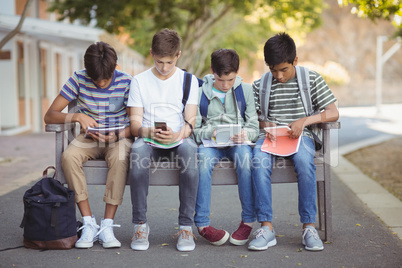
pixel 227 113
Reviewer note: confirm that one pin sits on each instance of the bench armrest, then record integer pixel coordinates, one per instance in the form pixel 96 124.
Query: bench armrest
pixel 330 125
pixel 59 127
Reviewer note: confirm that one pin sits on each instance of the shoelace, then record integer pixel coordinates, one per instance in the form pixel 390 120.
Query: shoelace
pixel 108 234
pixel 259 232
pixel 139 233
pixel 315 235
pixel 86 234
pixel 185 234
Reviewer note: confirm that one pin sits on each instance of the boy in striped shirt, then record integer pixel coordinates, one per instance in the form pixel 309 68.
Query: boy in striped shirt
pixel 101 93
pixel 285 108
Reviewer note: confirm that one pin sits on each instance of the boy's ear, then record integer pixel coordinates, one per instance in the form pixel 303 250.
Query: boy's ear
pixel 295 61
pixel 178 55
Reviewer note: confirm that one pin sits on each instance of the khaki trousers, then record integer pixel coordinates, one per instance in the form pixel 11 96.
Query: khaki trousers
pixel 116 155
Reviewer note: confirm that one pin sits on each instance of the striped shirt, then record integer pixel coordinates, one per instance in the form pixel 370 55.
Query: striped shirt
pixel 285 104
pixel 107 106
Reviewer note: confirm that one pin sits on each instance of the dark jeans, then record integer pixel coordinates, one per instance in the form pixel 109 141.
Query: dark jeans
pixel 140 160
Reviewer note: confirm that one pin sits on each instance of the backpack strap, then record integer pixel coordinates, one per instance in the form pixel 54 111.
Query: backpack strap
pixel 303 81
pixel 186 93
pixel 265 92
pixel 186 88
pixel 204 103
pixel 241 101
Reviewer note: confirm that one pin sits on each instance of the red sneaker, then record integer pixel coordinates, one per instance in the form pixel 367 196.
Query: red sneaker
pixel 240 236
pixel 214 236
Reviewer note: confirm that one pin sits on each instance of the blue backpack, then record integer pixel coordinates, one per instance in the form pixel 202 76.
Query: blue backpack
pixel 204 102
pixel 49 215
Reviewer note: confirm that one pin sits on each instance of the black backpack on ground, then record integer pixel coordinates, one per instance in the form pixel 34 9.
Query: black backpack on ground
pixel 49 215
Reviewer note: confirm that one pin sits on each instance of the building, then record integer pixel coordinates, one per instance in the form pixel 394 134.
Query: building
pixel 37 61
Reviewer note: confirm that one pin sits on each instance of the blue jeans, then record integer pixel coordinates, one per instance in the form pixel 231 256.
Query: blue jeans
pixel 304 166
pixel 208 158
pixel 140 160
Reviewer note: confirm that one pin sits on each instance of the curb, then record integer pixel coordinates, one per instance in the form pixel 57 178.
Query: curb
pixel 384 204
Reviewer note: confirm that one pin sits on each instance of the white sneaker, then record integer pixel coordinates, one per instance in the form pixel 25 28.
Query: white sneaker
pixel 106 235
pixel 185 241
pixel 89 233
pixel 140 238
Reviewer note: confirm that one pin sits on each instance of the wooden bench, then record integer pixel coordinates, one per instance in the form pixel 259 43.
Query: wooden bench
pixel 166 174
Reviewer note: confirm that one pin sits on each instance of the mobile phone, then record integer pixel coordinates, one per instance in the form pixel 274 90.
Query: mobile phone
pixel 161 125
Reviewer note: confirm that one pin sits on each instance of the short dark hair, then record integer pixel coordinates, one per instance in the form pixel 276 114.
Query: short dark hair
pixel 279 49
pixel 166 43
pixel 224 61
pixel 100 61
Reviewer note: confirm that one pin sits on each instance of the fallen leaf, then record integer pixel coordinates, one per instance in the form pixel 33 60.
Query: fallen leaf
pixel 278 235
pixel 358 224
pixel 173 209
pixel 299 264
pixel 299 250
pixel 243 256
pixel 78 258
pixel 286 256
pixel 296 225
pixel 118 253
pixel 327 242
pixel 165 244
pixel 184 255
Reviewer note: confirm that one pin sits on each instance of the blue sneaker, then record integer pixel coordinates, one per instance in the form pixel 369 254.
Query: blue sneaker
pixel 311 239
pixel 264 238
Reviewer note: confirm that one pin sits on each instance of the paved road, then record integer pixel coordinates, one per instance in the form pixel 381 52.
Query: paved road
pixel 360 238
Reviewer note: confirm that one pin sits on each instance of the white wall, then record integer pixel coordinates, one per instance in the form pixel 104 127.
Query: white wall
pixel 7 7
pixel 8 88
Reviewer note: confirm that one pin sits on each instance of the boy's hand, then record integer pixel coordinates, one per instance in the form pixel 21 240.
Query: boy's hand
pixel 240 138
pixel 86 121
pixel 296 128
pixel 267 134
pixel 164 137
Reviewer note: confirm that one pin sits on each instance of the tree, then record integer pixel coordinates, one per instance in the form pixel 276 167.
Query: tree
pixel 390 10
pixel 204 25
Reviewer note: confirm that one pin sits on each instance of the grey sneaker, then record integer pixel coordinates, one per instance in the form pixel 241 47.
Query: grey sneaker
pixel 311 239
pixel 264 238
pixel 185 241
pixel 89 234
pixel 106 235
pixel 140 238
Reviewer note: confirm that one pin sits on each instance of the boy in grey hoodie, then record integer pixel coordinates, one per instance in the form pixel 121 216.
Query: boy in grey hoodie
pixel 220 89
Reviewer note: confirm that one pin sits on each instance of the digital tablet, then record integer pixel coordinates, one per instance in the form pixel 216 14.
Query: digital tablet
pixel 105 130
pixel 224 132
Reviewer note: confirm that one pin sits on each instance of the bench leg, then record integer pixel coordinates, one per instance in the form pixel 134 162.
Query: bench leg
pixel 321 205
pixel 328 205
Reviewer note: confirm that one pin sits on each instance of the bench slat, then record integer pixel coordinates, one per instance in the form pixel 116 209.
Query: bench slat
pixel 167 173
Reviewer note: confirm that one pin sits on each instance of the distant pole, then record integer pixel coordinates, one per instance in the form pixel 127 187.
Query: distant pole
pixel 378 73
pixel 381 59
